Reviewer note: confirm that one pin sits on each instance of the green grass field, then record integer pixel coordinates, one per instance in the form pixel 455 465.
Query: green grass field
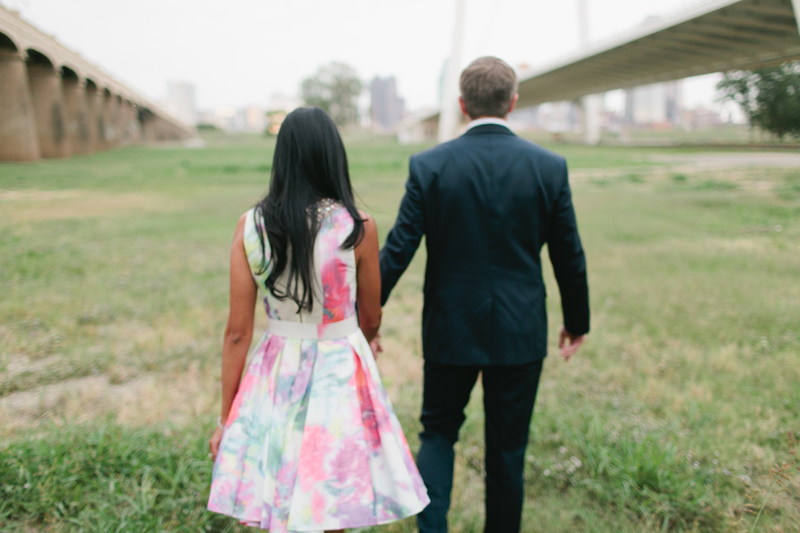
pixel 680 413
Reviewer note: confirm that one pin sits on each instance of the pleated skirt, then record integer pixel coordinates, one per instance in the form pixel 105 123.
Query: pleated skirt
pixel 312 442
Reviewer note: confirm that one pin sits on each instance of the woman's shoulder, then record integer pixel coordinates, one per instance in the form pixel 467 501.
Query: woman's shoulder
pixel 250 225
pixel 246 217
pixel 366 217
pixel 370 228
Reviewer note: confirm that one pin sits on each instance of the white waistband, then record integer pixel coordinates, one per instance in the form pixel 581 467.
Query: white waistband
pixel 301 330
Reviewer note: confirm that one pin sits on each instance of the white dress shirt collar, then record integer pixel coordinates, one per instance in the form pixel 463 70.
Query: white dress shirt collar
pixel 487 120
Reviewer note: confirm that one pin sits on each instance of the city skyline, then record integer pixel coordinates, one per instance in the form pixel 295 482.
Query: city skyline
pixel 215 45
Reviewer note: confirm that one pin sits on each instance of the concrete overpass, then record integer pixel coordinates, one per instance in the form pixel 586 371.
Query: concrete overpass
pixel 55 103
pixel 713 36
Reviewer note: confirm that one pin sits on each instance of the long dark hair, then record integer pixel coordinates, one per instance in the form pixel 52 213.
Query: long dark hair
pixel 309 165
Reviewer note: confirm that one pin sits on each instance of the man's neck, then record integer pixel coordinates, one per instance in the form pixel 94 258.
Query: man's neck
pixel 472 119
pixel 480 121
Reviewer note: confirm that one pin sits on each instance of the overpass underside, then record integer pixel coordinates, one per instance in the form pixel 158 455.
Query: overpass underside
pixel 53 103
pixel 715 36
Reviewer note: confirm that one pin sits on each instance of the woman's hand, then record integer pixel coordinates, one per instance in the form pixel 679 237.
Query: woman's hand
pixel 376 346
pixel 213 443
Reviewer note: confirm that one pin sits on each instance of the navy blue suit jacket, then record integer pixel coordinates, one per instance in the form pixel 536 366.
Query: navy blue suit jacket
pixel 487 202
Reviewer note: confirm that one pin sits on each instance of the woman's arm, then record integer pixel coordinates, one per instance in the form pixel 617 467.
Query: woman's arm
pixel 368 274
pixel 238 331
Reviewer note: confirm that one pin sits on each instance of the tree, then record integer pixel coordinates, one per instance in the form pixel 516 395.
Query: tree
pixel 769 97
pixel 335 89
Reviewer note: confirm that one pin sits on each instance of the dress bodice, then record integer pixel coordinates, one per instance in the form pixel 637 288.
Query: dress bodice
pixel 334 268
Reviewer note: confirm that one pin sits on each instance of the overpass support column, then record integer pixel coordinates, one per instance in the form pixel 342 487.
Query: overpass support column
pixel 18 138
pixel 48 105
pixel 77 116
pixel 796 6
pixel 591 108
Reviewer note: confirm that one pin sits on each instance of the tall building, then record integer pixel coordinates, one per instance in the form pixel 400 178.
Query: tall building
pixel 387 108
pixel 181 101
pixel 627 115
pixel 674 101
pixel 656 104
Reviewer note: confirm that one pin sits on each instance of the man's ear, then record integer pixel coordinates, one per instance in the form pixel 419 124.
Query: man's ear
pixel 513 103
pixel 463 105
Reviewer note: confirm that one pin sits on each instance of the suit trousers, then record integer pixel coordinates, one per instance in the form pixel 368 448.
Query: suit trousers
pixel 509 393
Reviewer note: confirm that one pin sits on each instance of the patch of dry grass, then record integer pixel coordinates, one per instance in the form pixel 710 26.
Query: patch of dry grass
pixel 679 410
pixel 32 206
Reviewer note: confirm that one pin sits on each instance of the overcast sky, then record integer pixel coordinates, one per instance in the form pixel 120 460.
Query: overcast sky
pixel 241 52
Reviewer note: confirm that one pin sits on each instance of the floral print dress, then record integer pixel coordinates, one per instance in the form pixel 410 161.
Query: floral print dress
pixel 312 442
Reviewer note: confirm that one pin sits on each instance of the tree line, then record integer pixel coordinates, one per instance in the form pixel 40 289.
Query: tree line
pixel 769 97
pixel 335 89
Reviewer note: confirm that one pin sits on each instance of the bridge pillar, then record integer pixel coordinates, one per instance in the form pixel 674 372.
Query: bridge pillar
pixel 112 121
pixel 18 138
pixel 122 122
pixel 591 108
pixel 94 110
pixel 148 121
pixel 135 124
pixel 132 133
pixel 48 105
pixel 77 116
pixel 162 127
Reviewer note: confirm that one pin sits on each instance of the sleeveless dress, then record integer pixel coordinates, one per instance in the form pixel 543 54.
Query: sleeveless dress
pixel 312 442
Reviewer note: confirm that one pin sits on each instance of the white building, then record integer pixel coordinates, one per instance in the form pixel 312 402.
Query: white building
pixel 660 103
pixel 181 101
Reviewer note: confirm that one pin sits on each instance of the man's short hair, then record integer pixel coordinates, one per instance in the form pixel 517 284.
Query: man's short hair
pixel 487 85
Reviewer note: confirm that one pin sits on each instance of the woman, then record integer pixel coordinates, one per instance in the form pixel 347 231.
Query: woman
pixel 310 441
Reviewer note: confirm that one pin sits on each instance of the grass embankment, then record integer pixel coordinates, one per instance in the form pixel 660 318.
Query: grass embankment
pixel 677 415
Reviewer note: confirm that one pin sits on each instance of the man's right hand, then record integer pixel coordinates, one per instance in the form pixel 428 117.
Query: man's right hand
pixel 575 341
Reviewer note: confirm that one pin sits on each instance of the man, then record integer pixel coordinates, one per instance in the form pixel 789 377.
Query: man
pixel 487 202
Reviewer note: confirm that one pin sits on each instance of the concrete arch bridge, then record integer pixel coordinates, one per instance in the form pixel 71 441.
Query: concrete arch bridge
pixel 55 103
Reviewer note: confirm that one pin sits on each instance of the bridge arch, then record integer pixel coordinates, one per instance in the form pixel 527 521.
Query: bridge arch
pixel 71 69
pixel 69 75
pixel 38 59
pixel 7 44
